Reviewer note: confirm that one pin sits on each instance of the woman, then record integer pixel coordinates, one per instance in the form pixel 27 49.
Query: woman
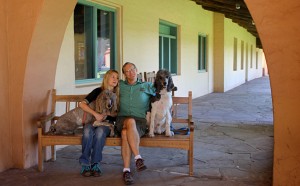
pixel 93 138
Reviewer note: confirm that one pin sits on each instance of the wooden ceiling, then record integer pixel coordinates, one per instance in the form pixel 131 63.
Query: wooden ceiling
pixel 236 10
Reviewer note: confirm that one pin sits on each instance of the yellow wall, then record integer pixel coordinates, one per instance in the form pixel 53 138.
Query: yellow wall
pixel 235 78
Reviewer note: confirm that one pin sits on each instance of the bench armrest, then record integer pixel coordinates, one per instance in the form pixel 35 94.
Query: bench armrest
pixel 191 123
pixel 44 119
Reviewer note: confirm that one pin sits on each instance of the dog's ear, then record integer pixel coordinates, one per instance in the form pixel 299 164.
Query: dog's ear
pixel 115 105
pixel 174 88
pixel 157 84
pixel 170 84
pixel 155 98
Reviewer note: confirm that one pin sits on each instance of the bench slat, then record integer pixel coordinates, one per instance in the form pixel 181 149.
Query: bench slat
pixel 177 141
pixel 70 98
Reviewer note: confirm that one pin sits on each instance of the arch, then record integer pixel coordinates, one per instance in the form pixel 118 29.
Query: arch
pixel 278 27
pixel 39 77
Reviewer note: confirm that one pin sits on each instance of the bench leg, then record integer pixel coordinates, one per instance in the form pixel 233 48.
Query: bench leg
pixel 190 161
pixel 40 163
pixel 191 154
pixel 53 153
pixel 40 151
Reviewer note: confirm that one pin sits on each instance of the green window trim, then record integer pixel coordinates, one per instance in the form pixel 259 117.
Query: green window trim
pixel 202 53
pixel 168 58
pixel 235 44
pixel 242 55
pixel 95 37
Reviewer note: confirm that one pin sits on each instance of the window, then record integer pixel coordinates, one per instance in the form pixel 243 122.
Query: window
pixel 235 54
pixel 251 56
pixel 247 59
pixel 168 47
pixel 202 53
pixel 94 36
pixel 256 60
pixel 242 55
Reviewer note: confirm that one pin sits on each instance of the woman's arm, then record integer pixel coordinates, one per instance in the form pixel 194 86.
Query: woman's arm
pixel 87 108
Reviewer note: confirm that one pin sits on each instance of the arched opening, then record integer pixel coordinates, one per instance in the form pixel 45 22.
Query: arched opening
pixel 274 22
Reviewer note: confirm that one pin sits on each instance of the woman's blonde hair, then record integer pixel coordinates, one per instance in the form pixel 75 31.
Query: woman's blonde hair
pixel 105 85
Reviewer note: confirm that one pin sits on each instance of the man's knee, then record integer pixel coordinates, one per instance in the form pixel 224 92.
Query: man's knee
pixel 129 123
pixel 124 134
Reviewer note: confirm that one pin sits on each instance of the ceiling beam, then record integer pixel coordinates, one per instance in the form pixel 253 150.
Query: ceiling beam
pixel 236 10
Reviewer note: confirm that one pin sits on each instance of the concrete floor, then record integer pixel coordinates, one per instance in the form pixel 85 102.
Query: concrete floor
pixel 233 146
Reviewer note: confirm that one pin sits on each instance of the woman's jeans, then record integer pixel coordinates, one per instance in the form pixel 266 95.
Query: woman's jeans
pixel 93 141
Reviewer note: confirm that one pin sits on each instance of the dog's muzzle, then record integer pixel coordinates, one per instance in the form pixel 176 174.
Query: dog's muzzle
pixel 110 104
pixel 165 83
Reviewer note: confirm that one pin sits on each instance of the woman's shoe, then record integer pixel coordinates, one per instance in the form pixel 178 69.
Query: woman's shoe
pixel 96 170
pixel 85 171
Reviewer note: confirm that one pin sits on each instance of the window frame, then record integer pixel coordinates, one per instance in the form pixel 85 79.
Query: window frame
pixel 202 59
pixel 168 32
pixel 235 53
pixel 113 49
pixel 251 56
pixel 242 54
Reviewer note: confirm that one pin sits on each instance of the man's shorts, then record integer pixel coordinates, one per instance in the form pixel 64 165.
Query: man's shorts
pixel 141 124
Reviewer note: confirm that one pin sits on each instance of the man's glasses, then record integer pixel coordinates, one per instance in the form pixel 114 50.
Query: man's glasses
pixel 130 70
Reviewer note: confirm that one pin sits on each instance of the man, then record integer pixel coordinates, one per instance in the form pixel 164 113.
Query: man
pixel 131 120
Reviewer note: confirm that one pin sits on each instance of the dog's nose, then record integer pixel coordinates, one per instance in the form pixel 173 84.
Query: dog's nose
pixel 110 103
pixel 165 83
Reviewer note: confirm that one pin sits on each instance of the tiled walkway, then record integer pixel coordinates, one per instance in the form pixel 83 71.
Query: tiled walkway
pixel 233 146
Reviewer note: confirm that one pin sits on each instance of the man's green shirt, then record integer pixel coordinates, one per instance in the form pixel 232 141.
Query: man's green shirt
pixel 135 99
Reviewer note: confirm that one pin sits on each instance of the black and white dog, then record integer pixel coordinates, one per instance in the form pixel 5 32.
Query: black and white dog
pixel 161 110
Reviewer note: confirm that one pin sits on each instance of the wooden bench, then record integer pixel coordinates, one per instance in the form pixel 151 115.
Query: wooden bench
pixel 178 141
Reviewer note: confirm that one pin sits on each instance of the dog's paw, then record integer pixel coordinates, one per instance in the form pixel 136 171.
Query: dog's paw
pixel 97 123
pixel 151 135
pixel 148 118
pixel 112 134
pixel 52 128
pixel 169 134
pixel 159 131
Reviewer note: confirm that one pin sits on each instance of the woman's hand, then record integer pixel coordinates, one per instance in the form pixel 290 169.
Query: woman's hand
pixel 99 117
pixel 85 107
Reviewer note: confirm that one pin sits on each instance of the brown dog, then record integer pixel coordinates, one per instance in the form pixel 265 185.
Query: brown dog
pixel 69 122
